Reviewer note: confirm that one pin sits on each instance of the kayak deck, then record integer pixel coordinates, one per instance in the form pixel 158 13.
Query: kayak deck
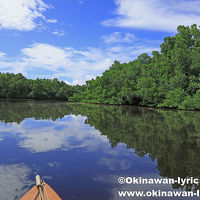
pixel 33 193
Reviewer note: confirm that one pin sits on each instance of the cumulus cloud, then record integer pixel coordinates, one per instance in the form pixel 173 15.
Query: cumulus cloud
pixel 61 134
pixel 22 14
pixel 155 14
pixel 14 181
pixel 41 54
pixel 67 138
pixel 70 64
pixel 118 37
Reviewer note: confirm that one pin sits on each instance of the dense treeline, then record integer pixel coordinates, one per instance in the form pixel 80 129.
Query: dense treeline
pixel 169 78
pixel 17 86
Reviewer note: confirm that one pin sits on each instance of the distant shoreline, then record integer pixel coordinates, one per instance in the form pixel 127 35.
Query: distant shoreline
pixel 100 104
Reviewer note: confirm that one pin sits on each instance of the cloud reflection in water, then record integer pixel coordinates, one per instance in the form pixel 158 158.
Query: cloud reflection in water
pixel 14 181
pixel 65 134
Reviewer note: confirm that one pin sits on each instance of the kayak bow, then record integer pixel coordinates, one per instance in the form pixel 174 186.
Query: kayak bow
pixel 41 191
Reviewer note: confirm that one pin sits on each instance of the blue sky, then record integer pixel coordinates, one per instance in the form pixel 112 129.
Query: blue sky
pixel 76 40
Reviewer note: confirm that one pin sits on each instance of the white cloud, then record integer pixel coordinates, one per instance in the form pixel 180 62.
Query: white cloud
pixel 61 134
pixel 22 14
pixel 14 181
pixel 118 37
pixel 155 14
pixel 70 63
pixel 2 54
pixel 52 21
pixel 48 56
pixel 59 33
pixel 67 138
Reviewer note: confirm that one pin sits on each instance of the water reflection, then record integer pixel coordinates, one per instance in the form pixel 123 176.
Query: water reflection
pixel 170 137
pixel 87 147
pixel 14 181
pixel 66 134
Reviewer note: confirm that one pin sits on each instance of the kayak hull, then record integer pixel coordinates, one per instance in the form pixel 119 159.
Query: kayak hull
pixel 52 195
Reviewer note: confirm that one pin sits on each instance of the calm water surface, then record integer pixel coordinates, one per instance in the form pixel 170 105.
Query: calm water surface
pixel 82 149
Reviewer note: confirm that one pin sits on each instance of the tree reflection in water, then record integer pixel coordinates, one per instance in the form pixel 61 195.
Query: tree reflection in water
pixel 170 137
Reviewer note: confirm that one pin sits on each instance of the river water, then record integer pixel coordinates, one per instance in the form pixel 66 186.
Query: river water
pixel 81 150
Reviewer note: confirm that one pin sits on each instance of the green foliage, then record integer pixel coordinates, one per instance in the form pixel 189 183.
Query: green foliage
pixel 169 78
pixel 191 103
pixel 173 98
pixel 17 86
